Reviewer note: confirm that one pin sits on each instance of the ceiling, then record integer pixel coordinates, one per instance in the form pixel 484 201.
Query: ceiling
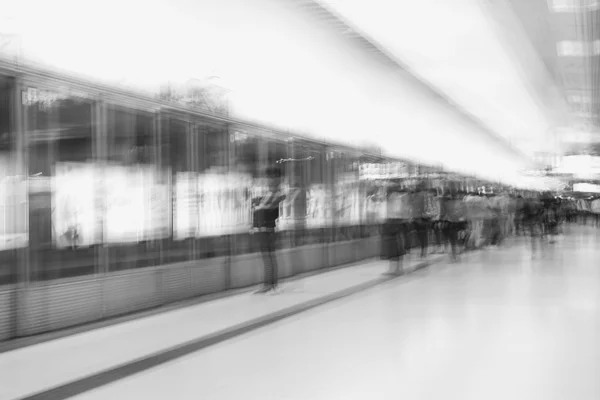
pixel 479 57
pixel 563 35
pixel 529 70
pixel 495 62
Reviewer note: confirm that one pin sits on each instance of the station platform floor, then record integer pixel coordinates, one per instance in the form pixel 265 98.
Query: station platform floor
pixel 518 321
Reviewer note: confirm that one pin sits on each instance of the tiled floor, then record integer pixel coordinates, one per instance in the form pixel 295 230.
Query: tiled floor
pixel 501 324
pixel 37 368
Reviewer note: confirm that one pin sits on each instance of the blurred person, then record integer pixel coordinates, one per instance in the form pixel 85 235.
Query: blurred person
pixel 433 214
pixel 571 211
pixel 595 208
pixel 504 205
pixel 511 209
pixel 547 215
pixel 464 232
pixel 553 216
pixel 583 211
pixel 562 212
pixel 588 212
pixel 488 221
pixel 266 214
pixel 474 206
pixel 420 221
pixel 532 219
pixel 519 215
pixel 577 211
pixel 496 220
pixel 454 216
pixel 396 228
pixel 565 210
pixel 556 210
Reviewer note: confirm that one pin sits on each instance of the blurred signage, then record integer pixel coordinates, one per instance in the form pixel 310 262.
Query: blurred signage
pixel 137 203
pixel 203 94
pixel 375 171
pixel 98 203
pixel 533 172
pixel 318 210
pixel 76 217
pixel 224 204
pixel 238 137
pixel 212 204
pixel 398 171
pixel 347 203
pixel 125 208
pixel 44 98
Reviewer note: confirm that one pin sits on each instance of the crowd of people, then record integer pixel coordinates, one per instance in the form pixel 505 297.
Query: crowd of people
pixel 457 221
pixel 454 220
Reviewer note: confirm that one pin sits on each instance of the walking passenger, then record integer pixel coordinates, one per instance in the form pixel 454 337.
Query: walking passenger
pixel 453 214
pixel 266 214
pixel 420 222
pixel 396 228
pixel 511 210
pixel 437 223
pixel 474 206
pixel 532 219
pixel 519 215
pixel 496 220
pixel 432 214
pixel 595 209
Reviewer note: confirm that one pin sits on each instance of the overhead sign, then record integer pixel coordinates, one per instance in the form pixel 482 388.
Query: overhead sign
pixel 396 170
pixel 33 96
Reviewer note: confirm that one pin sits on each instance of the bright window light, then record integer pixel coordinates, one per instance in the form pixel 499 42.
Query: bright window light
pixel 596 47
pixel 579 99
pixel 563 5
pixel 586 188
pixel 570 6
pixel 569 48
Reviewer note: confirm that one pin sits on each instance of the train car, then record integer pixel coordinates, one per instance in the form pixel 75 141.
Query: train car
pixel 115 201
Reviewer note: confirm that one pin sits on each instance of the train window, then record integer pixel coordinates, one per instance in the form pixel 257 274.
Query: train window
pixel 176 150
pixel 298 170
pixel 212 149
pixel 62 203
pixel 216 191
pixel 277 151
pixel 12 191
pixel 245 162
pixel 137 192
pixel 347 196
pixel 318 195
pixel 131 136
pixel 178 143
pixel 245 149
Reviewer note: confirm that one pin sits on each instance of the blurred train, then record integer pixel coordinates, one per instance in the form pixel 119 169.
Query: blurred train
pixel 113 201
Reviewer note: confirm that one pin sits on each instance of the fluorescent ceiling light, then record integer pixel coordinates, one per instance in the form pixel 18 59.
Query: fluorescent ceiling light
pixel 457 50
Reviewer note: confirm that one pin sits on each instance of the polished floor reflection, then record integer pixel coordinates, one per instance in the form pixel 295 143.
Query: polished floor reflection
pixel 502 324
